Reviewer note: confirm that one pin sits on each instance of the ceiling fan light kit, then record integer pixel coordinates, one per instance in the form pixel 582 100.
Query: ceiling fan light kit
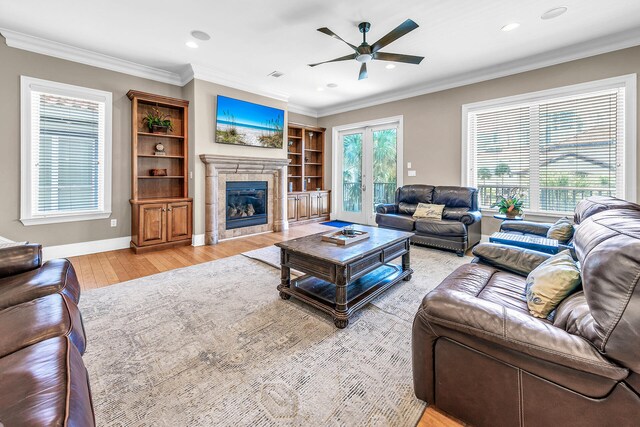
pixel 366 53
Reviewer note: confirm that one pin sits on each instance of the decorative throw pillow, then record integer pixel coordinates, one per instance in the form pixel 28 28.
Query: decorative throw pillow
pixel 562 230
pixel 550 283
pixel 428 211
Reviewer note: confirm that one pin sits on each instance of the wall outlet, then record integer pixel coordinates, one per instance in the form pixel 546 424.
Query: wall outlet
pixel 114 222
pixel 190 174
pixel 411 173
pixel 408 165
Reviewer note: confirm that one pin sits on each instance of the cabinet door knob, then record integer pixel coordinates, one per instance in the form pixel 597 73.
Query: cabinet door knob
pixel 164 210
pixel 170 209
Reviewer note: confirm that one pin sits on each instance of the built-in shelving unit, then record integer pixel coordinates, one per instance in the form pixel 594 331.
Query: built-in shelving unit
pixel 308 201
pixel 161 209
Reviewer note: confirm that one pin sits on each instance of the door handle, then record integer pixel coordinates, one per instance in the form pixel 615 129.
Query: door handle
pixel 364 187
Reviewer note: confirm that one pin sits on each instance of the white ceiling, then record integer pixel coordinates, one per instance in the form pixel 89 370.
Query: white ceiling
pixel 460 39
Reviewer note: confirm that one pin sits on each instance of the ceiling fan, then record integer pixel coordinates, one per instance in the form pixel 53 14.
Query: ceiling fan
pixel 366 53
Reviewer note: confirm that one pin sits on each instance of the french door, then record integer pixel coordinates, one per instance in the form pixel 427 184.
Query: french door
pixel 369 165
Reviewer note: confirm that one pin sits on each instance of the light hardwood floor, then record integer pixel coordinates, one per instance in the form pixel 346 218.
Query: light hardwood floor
pixel 107 268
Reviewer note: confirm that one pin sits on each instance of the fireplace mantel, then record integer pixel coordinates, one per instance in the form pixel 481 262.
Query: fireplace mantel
pixel 238 169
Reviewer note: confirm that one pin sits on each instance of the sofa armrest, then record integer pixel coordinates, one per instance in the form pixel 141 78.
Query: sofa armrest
pixel 18 259
pixel 516 260
pixel 454 305
pixel 386 208
pixel 526 227
pixel 471 217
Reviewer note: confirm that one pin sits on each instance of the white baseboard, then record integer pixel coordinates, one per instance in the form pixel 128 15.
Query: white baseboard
pixel 85 248
pixel 198 240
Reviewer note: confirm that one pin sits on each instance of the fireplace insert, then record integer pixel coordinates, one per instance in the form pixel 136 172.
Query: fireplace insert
pixel 246 203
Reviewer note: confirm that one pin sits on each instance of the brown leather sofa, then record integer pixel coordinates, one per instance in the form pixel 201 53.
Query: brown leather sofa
pixel 43 381
pixel 459 228
pixel 480 356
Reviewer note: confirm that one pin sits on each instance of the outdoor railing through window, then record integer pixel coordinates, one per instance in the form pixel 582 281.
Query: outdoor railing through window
pixel 383 192
pixel 554 199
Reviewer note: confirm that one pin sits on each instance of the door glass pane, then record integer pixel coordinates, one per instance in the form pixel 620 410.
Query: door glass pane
pixel 384 166
pixel 352 172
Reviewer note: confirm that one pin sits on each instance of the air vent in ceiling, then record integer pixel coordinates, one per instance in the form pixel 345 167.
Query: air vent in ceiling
pixel 276 74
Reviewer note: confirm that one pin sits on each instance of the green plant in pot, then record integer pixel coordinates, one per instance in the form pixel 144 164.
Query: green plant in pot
pixel 511 206
pixel 157 122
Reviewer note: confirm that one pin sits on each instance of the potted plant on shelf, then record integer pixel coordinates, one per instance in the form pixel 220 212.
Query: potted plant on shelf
pixel 511 206
pixel 157 122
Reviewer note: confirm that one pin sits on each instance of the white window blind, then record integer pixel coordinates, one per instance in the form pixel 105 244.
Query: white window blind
pixel 66 153
pixel 554 150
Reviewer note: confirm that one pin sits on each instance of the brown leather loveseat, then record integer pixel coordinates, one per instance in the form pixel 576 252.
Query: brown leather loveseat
pixel 480 356
pixel 43 381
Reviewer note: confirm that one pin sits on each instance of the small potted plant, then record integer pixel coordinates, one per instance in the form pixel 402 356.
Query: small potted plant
pixel 157 122
pixel 511 206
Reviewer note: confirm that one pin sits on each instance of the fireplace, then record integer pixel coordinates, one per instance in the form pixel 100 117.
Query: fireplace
pixel 246 203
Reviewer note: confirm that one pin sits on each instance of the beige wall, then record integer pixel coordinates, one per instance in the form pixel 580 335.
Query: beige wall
pixel 13 64
pixel 432 122
pixel 301 119
pixel 204 137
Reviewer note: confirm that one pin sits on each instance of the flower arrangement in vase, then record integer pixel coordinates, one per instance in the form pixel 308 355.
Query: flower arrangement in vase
pixel 511 206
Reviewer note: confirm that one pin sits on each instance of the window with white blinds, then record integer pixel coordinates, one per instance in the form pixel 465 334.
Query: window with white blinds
pixel 66 150
pixel 553 148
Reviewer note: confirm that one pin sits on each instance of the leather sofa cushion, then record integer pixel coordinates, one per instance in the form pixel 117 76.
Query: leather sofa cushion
pixel 45 384
pixel 608 247
pixel 397 221
pixel 596 204
pixel 455 197
pixel 38 320
pixel 18 259
pixel 444 228
pixel 482 302
pixel 405 208
pixel 414 194
pixel 54 276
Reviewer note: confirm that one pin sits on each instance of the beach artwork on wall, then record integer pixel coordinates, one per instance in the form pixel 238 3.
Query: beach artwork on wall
pixel 245 123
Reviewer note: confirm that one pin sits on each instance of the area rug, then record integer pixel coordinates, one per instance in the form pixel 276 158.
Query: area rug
pixel 214 345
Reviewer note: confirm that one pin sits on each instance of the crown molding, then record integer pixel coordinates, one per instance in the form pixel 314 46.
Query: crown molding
pixel 63 51
pixel 301 109
pixel 595 47
pixel 215 76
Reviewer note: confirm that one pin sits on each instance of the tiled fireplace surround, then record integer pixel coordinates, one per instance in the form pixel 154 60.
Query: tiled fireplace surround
pixel 219 170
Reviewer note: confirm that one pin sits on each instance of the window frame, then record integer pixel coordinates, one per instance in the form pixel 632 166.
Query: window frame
pixel 27 85
pixel 628 82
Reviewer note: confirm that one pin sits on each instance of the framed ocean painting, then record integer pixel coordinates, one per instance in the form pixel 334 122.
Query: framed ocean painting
pixel 245 123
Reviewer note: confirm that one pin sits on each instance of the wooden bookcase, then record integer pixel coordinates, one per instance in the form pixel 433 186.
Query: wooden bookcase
pixel 161 211
pixel 307 201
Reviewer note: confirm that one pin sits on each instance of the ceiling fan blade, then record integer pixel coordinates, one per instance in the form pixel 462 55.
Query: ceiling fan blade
pixel 363 71
pixel 328 32
pixel 397 57
pixel 342 58
pixel 394 35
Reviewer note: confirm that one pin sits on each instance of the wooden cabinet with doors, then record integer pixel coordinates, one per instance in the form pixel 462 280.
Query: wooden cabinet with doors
pixel 305 207
pixel 161 215
pixel 307 201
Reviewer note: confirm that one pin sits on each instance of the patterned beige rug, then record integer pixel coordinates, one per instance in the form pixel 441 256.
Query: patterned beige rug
pixel 214 345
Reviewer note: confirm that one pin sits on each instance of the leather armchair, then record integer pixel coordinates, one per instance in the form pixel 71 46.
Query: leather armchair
pixel 479 355
pixel 459 228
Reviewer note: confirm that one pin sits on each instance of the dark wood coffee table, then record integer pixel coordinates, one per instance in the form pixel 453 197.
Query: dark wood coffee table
pixel 342 279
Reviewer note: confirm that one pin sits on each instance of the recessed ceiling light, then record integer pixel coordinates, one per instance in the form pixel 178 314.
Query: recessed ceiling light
pixel 200 35
pixel 510 27
pixel 192 44
pixel 553 13
pixel 390 66
pixel 319 88
pixel 332 85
